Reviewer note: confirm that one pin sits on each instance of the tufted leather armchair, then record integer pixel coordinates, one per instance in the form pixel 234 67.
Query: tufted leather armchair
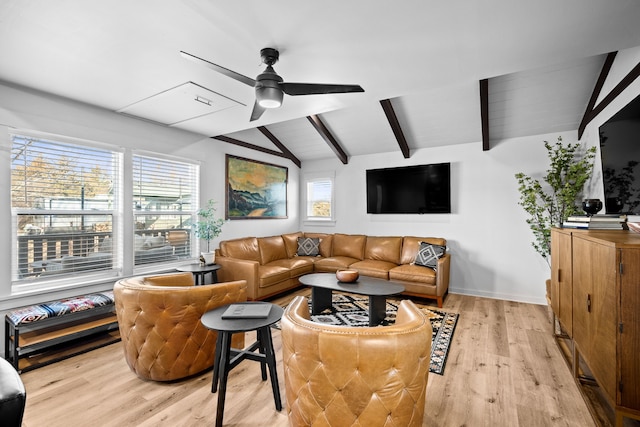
pixel 159 321
pixel 351 376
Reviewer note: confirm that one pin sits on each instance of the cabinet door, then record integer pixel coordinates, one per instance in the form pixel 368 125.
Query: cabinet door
pixel 629 337
pixel 595 274
pixel 562 279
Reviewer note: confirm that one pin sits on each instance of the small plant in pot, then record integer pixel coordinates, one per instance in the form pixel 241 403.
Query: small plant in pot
pixel 551 203
pixel 208 227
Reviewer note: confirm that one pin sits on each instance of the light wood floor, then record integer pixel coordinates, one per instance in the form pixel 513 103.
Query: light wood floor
pixel 504 369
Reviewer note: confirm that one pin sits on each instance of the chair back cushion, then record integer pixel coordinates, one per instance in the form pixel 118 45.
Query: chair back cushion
pixel 271 249
pixel 245 248
pixel 343 376
pixel 383 249
pixel 349 245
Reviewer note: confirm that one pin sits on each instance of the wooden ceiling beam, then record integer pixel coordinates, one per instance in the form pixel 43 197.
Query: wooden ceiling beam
pixel 395 126
pixel 328 137
pixel 280 145
pixel 484 113
pixel 606 67
pixel 250 146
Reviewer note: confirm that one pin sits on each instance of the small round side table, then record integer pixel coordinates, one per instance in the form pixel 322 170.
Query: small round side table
pixel 227 358
pixel 200 271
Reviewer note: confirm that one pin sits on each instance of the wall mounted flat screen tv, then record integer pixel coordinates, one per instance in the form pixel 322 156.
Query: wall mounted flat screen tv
pixel 420 189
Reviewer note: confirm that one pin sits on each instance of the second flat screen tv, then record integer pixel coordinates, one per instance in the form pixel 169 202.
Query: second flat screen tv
pixel 418 189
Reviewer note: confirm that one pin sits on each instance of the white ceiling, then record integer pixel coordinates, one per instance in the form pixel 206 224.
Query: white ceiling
pixel 542 60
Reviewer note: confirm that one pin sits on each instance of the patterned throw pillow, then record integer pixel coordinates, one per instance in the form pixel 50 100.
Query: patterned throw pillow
pixel 429 254
pixel 308 246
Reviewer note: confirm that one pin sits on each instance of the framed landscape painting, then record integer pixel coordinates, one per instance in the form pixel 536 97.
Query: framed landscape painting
pixel 255 190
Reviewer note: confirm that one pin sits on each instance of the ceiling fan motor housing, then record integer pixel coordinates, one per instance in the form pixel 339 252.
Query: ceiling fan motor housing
pixel 269 94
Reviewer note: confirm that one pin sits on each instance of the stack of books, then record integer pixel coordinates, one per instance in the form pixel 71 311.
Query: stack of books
pixel 596 222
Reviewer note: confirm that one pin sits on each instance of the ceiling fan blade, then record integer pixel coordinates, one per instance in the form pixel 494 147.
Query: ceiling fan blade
pixel 317 88
pixel 257 111
pixel 220 69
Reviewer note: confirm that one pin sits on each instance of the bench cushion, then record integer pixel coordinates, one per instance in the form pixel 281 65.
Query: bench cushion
pixel 61 307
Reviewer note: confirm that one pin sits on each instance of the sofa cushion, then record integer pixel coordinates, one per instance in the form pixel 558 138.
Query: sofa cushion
pixel 245 248
pixel 348 245
pixel 272 274
pixel 429 254
pixel 271 249
pixel 410 246
pixel 291 243
pixel 373 268
pixel 413 273
pixel 325 242
pixel 297 266
pixel 308 246
pixel 334 263
pixel 385 248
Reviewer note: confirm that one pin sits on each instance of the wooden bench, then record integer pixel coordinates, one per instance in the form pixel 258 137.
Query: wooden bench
pixel 45 333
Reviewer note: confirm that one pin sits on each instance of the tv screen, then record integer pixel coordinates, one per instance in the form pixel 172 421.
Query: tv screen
pixel 620 153
pixel 418 189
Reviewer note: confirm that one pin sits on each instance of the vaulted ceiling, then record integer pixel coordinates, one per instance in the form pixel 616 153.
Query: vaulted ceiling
pixel 419 62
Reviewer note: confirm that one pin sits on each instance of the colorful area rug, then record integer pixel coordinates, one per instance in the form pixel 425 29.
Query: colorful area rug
pixel 354 311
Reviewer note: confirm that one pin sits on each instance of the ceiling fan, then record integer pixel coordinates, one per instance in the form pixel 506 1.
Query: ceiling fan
pixel 269 86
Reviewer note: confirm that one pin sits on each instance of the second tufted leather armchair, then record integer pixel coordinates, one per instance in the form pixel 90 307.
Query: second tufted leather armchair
pixel 160 328
pixel 351 376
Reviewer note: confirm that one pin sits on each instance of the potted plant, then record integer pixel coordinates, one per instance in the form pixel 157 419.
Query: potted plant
pixel 551 204
pixel 208 227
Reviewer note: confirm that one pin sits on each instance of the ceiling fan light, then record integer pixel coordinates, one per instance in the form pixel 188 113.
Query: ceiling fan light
pixel 269 97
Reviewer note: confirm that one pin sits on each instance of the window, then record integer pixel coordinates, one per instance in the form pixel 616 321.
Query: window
pixel 165 195
pixel 320 206
pixel 63 203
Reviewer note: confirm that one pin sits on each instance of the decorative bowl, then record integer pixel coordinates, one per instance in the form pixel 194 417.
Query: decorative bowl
pixel 592 206
pixel 347 276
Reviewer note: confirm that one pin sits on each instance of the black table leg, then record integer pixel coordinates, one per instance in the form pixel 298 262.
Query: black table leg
pixel 261 350
pixel 224 374
pixel 265 334
pixel 377 309
pixel 214 276
pixel 320 299
pixel 216 363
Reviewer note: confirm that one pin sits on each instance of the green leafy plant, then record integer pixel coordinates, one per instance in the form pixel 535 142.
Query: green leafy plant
pixel 551 204
pixel 208 227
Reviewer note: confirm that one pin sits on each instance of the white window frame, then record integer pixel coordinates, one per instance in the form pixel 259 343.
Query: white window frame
pixel 50 282
pixel 192 212
pixel 122 213
pixel 309 179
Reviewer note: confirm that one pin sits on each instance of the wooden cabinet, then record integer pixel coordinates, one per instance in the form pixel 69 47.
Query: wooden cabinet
pixel 562 278
pixel 605 306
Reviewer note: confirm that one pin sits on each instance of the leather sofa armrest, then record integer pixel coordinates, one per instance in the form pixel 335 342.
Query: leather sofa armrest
pixel 232 269
pixel 442 275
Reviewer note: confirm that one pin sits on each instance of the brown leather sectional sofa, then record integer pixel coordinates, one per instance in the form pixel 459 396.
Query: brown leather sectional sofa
pixel 271 265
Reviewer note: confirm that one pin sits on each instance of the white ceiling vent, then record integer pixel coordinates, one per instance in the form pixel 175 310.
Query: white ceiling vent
pixel 184 102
